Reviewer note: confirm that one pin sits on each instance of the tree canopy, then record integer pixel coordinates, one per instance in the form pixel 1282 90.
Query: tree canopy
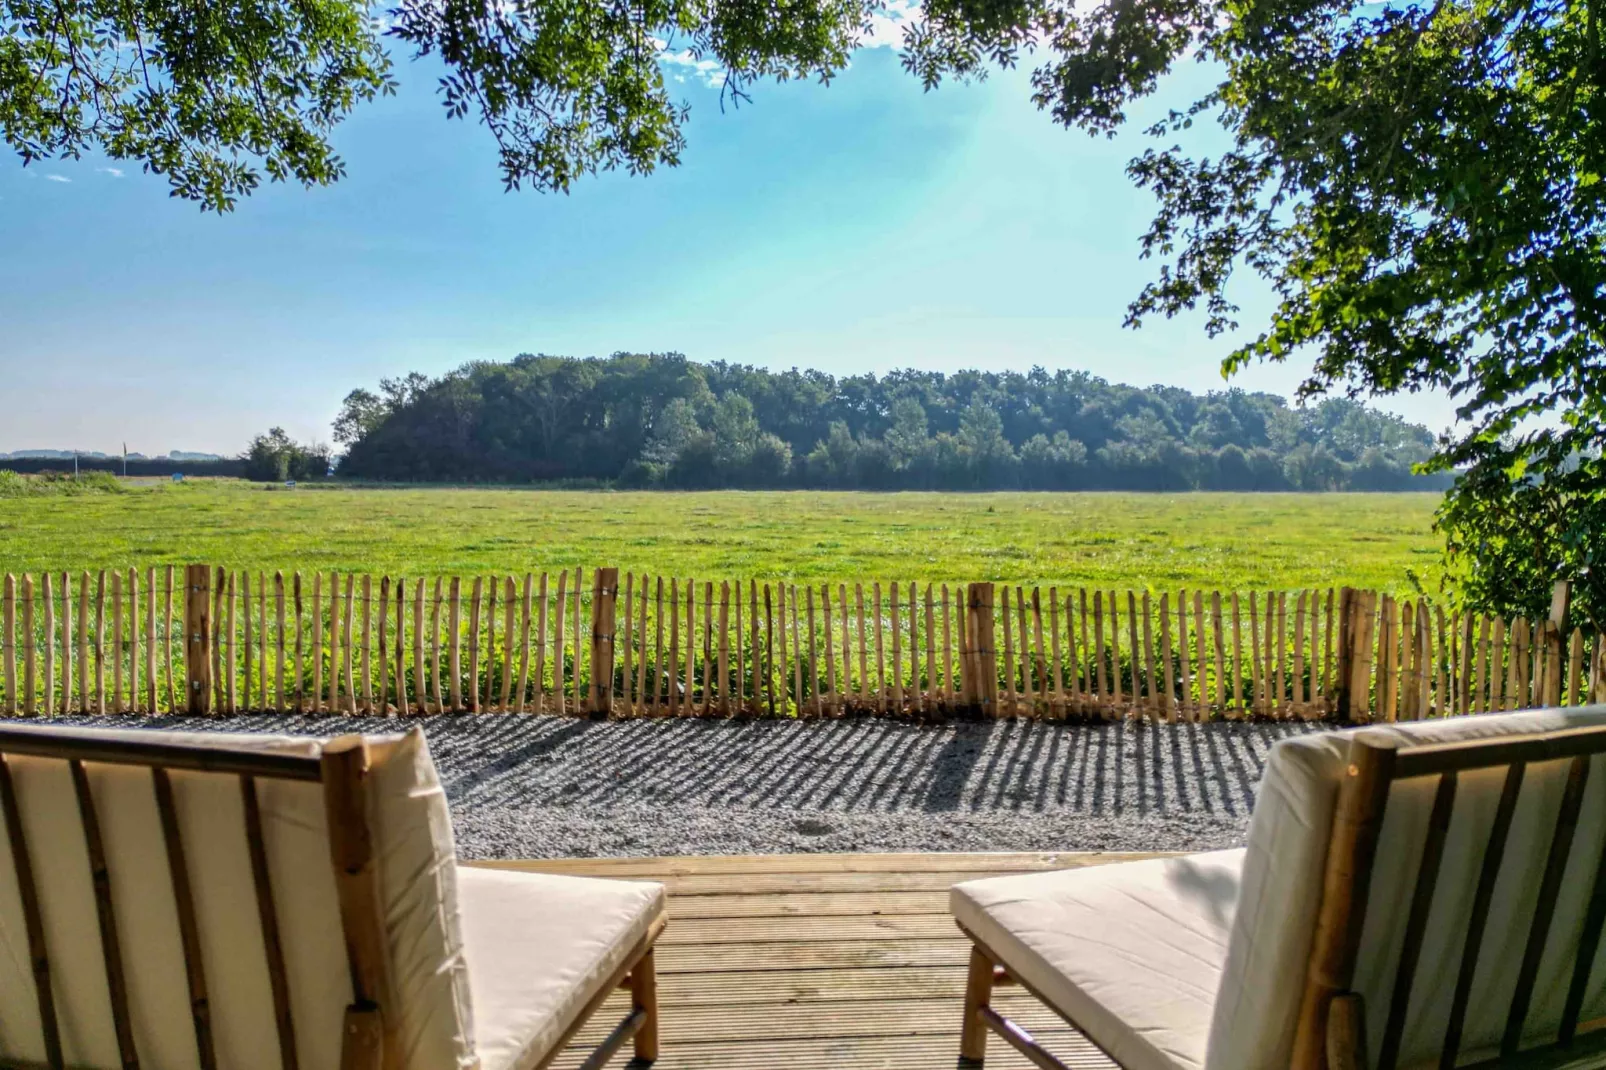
pixel 215 95
pixel 210 95
pixel 1420 184
pixel 663 420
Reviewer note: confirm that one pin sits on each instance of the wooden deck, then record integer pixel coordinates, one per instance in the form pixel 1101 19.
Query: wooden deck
pixel 847 962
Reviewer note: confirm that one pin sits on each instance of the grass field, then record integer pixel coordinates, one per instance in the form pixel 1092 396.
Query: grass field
pixel 1208 540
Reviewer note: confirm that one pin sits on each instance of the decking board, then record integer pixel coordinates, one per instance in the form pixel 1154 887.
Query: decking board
pixel 847 962
pixel 808 928
pixel 812 904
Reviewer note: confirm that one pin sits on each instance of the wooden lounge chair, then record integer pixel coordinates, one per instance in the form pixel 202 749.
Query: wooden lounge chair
pixel 1416 895
pixel 197 900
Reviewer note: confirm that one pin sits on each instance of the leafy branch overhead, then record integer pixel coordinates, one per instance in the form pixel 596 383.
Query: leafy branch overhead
pixel 1419 184
pixel 577 86
pixel 211 95
pixel 215 95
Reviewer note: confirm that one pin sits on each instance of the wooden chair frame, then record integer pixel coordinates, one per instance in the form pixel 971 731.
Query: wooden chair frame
pixel 1331 1026
pixel 368 1040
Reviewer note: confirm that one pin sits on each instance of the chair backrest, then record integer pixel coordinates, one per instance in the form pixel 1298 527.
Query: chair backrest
pixel 1441 880
pixel 207 900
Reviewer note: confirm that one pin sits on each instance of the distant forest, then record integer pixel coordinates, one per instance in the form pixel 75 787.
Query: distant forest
pixel 665 421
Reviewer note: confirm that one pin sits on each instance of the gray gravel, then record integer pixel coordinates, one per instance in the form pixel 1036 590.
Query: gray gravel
pixel 533 787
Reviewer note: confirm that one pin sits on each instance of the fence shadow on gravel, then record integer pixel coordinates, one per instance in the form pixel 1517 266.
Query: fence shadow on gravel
pixel 864 765
pixel 860 764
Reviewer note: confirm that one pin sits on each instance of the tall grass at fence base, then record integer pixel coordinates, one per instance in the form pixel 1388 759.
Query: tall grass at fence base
pixel 56 484
pixel 116 641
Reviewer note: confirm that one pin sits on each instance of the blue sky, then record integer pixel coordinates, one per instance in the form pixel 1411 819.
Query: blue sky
pixel 860 227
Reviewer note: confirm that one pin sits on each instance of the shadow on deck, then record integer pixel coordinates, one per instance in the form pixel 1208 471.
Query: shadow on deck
pixel 846 962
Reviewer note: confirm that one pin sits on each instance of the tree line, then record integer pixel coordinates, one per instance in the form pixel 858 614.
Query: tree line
pixel 661 420
pixel 221 467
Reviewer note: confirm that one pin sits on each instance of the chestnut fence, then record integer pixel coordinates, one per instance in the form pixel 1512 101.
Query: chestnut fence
pixel 206 640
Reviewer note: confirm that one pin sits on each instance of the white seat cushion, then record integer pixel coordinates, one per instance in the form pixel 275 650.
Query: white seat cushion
pixel 1257 1010
pixel 414 855
pixel 539 948
pixel 1130 952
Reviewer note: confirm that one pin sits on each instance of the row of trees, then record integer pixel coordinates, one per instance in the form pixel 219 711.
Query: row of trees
pixel 663 420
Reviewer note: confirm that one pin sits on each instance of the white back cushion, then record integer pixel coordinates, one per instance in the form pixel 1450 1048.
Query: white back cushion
pixel 1258 1004
pixel 412 837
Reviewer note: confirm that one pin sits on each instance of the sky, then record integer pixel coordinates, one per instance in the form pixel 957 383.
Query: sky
pixel 857 227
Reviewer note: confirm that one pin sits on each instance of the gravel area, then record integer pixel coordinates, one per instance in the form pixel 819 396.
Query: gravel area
pixel 533 787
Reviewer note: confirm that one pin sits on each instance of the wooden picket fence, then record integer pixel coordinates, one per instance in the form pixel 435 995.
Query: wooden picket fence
pixel 208 640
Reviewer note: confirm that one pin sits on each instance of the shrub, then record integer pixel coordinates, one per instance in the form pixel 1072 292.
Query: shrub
pixel 15 485
pixel 275 457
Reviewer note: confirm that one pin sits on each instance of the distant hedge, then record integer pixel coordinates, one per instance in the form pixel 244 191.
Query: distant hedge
pixel 33 465
pixel 57 484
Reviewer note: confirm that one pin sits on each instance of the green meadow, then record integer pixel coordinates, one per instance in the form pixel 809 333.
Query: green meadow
pixel 1236 541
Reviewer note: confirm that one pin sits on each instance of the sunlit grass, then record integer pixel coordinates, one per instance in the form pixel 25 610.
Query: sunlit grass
pixel 1161 540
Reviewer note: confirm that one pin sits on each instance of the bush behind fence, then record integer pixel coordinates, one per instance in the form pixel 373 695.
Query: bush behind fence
pixel 208 640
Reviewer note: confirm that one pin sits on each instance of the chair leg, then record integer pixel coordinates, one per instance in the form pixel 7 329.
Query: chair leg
pixel 362 1046
pixel 1346 1033
pixel 978 991
pixel 644 995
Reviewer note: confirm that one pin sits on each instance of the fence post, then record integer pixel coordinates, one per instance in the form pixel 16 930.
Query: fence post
pixel 1597 671
pixel 967 655
pixel 1365 633
pixel 1560 603
pixel 978 663
pixel 1355 644
pixel 1345 700
pixel 1388 645
pixel 9 645
pixel 604 591
pixel 198 638
pixel 987 649
pixel 1555 628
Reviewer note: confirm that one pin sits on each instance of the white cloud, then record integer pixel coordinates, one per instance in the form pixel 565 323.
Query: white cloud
pixel 57 178
pixel 115 172
pixel 887 25
pixel 707 71
pixel 886 31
